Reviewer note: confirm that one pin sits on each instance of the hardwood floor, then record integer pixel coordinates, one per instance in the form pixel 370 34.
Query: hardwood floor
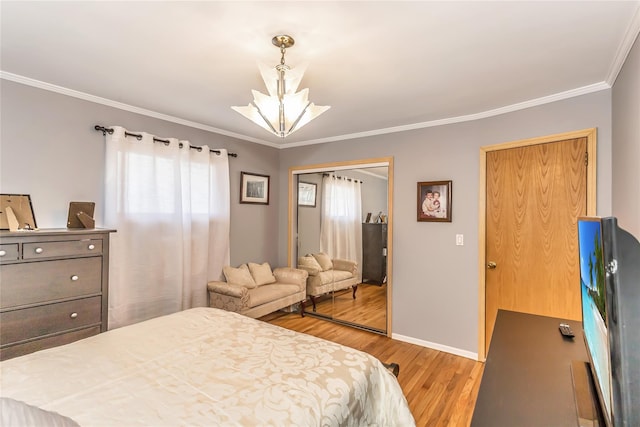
pixel 369 308
pixel 441 388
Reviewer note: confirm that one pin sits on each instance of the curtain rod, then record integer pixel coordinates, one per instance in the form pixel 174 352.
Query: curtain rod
pixel 344 177
pixel 109 131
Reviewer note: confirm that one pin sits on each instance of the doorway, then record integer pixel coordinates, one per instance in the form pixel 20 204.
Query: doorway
pixel 531 193
pixel 368 307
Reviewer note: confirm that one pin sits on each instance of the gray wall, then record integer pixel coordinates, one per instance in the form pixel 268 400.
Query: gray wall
pixel 626 144
pixel 50 151
pixel 435 282
pixel 374 194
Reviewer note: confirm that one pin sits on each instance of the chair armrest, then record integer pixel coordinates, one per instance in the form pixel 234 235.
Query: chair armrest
pixel 294 276
pixel 229 289
pixel 311 271
pixel 345 265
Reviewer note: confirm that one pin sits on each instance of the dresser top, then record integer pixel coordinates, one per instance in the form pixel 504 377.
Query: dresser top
pixel 54 232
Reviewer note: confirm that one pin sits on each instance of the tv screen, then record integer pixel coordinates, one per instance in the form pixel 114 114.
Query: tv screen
pixel 594 308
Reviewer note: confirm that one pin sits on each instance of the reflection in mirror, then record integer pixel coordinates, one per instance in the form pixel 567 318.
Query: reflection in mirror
pixel 343 233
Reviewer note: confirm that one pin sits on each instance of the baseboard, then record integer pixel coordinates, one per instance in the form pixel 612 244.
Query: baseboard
pixel 435 346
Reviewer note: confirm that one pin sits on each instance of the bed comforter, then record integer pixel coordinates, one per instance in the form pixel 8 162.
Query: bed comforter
pixel 206 366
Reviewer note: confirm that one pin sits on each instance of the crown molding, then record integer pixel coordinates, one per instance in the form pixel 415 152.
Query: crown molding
pixel 376 132
pixel 126 107
pixel 625 47
pixel 459 119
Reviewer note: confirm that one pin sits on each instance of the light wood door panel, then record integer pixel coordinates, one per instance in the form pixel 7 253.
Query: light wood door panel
pixel 534 196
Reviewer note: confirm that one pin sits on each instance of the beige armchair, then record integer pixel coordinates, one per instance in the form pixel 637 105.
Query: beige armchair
pixel 255 291
pixel 326 275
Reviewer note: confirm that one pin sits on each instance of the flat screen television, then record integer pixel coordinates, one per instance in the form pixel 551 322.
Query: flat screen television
pixel 610 288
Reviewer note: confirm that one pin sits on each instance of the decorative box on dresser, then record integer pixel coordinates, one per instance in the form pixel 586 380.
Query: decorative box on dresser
pixel 54 287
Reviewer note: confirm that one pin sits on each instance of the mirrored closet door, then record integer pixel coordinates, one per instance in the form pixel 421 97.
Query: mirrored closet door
pixel 340 234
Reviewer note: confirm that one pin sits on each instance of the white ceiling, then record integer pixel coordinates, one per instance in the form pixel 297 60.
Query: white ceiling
pixel 380 65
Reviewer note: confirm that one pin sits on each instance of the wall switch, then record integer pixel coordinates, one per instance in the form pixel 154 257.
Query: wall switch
pixel 459 240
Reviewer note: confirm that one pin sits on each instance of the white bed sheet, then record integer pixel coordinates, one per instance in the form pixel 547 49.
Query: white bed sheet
pixel 206 366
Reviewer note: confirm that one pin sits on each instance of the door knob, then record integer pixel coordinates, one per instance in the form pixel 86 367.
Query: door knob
pixel 491 265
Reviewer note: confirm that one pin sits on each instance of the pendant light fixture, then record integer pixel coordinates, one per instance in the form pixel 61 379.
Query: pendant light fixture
pixel 284 110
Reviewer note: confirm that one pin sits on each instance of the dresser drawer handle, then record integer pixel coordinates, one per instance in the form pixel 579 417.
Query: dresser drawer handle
pixel 74 278
pixel 3 253
pixel 73 315
pixel 39 250
pixel 92 247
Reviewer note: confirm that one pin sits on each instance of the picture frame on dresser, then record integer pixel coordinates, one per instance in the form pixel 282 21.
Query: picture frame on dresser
pixel 81 215
pixel 16 212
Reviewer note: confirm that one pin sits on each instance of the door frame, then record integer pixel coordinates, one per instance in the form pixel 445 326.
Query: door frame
pixel 590 135
pixel 351 164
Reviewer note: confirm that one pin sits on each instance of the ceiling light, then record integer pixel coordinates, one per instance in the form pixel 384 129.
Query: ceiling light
pixel 284 110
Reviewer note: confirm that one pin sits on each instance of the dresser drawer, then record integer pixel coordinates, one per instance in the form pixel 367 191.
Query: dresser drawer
pixel 38 282
pixel 47 342
pixel 61 249
pixel 20 325
pixel 9 252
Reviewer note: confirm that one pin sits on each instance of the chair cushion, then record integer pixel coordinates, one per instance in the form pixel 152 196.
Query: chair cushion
pixel 324 260
pixel 265 294
pixel 262 273
pixel 327 277
pixel 239 276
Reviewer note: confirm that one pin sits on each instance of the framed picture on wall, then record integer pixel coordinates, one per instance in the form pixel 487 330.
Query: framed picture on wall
pixel 307 194
pixel 254 188
pixel 434 201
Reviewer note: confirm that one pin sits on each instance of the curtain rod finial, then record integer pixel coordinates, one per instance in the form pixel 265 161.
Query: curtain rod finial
pixel 103 129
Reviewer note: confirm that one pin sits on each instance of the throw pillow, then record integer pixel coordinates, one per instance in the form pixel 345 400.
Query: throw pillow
pixel 309 261
pixel 262 273
pixel 324 261
pixel 17 413
pixel 240 276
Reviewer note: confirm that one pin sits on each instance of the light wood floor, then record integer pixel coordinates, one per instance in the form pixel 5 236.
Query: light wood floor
pixel 441 388
pixel 369 308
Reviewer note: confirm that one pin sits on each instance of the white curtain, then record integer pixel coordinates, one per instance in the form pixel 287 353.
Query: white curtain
pixel 341 223
pixel 170 207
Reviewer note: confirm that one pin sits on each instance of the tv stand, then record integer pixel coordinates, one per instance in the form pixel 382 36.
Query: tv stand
pixel 588 409
pixel 527 379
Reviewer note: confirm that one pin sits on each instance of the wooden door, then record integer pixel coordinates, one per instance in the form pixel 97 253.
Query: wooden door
pixel 534 195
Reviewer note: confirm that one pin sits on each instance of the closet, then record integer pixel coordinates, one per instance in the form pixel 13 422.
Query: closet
pixel 370 309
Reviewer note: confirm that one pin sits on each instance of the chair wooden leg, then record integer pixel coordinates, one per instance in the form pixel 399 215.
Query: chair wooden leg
pixel 313 301
pixel 302 307
pixel 355 288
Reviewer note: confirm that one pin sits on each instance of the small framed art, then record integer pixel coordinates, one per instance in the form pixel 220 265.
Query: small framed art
pixel 434 201
pixel 307 194
pixel 16 212
pixel 254 188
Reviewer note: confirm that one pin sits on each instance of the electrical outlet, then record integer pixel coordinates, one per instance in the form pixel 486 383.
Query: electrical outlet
pixel 459 240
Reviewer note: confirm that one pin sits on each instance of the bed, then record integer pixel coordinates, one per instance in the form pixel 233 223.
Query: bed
pixel 203 366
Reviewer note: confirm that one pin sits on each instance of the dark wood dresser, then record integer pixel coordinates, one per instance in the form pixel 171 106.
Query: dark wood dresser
pixel 374 253
pixel 53 288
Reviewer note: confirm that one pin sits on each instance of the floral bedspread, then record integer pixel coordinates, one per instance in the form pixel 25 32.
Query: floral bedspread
pixel 206 366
